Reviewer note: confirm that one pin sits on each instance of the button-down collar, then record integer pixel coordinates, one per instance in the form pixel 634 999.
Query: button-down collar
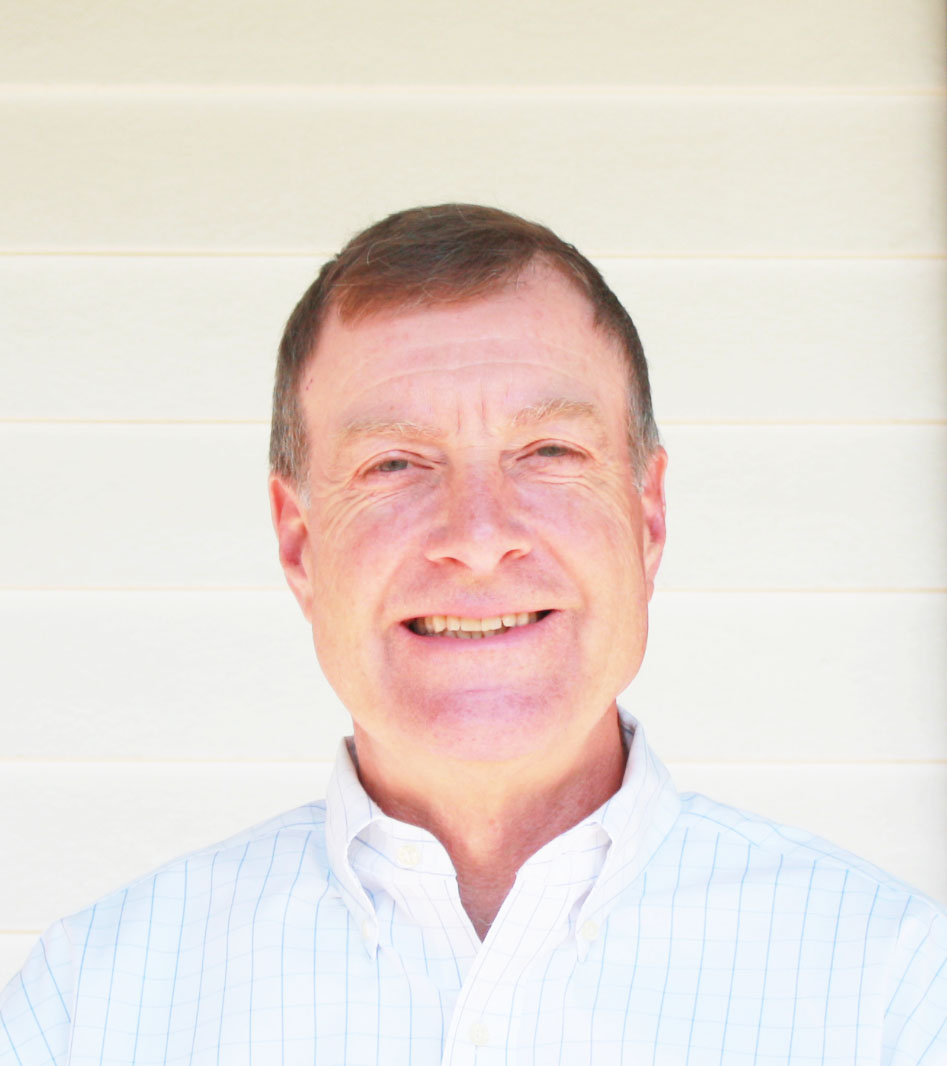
pixel 371 854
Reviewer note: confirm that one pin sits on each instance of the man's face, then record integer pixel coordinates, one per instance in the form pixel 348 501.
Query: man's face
pixel 469 467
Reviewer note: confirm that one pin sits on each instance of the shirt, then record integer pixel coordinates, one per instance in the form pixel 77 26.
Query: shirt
pixel 663 929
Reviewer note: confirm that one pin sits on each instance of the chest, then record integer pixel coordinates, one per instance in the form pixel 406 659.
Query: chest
pixel 649 983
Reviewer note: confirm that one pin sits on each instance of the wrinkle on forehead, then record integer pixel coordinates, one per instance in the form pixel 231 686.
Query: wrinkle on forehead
pixel 379 383
pixel 500 364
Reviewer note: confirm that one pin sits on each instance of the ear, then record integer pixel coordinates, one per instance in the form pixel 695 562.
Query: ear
pixel 654 531
pixel 290 520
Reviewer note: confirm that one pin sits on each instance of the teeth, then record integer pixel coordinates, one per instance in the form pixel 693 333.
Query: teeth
pixel 471 628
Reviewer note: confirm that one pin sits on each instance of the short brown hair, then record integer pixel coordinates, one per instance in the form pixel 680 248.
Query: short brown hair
pixel 448 253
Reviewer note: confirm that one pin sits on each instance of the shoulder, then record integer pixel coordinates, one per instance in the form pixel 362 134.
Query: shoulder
pixel 177 912
pixel 836 914
pixel 157 914
pixel 796 852
pixel 263 855
pixel 813 883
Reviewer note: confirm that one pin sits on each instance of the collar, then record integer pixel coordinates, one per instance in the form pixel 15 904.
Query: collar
pixel 637 818
pixel 631 825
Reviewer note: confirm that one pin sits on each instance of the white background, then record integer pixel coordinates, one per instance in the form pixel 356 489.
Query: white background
pixel 763 184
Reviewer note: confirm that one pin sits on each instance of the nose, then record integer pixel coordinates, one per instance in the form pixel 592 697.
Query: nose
pixel 477 525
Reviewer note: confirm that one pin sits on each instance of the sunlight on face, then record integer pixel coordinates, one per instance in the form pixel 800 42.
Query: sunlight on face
pixel 478 560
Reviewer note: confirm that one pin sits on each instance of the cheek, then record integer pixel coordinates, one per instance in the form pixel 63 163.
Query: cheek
pixel 336 517
pixel 597 538
pixel 358 544
pixel 349 514
pixel 600 521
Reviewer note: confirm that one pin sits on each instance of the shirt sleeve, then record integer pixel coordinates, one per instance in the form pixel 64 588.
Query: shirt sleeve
pixel 35 1017
pixel 915 1029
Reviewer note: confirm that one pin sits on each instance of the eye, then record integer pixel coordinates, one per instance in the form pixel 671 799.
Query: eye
pixel 553 459
pixel 553 451
pixel 389 466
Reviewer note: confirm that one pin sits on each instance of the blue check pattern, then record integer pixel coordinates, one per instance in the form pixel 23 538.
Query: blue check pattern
pixel 665 929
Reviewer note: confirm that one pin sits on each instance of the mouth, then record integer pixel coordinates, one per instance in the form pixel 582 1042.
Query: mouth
pixel 460 628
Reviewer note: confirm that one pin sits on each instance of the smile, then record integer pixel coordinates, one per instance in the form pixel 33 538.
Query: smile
pixel 452 625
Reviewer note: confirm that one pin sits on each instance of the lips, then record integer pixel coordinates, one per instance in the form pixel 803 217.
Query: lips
pixel 469 628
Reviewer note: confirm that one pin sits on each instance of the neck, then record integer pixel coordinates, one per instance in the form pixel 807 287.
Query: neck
pixel 491 817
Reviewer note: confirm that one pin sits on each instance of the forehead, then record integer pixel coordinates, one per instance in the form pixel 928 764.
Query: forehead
pixel 532 341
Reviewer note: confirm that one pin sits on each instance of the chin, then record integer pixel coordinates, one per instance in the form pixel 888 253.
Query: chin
pixel 489 725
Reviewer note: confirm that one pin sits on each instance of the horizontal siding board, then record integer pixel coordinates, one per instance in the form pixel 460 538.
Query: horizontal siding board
pixel 176 675
pixel 138 506
pixel 806 507
pixel 195 338
pixel 153 338
pixel 232 675
pixel 82 830
pixel 810 678
pixel 749 506
pixel 755 42
pixel 774 175
pixel 791 340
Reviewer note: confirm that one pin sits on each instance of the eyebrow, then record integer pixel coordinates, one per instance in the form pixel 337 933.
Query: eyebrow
pixel 533 414
pixel 557 407
pixel 358 428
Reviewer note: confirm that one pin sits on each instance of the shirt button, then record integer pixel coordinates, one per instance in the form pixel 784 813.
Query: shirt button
pixel 590 930
pixel 367 930
pixel 408 855
pixel 478 1033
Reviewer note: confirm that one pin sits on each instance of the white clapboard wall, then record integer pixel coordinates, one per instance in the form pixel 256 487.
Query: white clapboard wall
pixel 762 182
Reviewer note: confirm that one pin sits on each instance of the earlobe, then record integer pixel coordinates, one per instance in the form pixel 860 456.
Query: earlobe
pixel 290 521
pixel 653 514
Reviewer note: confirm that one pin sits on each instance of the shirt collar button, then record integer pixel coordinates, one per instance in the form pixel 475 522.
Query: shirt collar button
pixel 589 930
pixel 479 1034
pixel 409 855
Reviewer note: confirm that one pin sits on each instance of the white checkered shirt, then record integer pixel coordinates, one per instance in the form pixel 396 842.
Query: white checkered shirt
pixel 663 929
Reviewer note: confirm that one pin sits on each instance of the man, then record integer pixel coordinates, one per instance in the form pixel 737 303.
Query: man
pixel 467 490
